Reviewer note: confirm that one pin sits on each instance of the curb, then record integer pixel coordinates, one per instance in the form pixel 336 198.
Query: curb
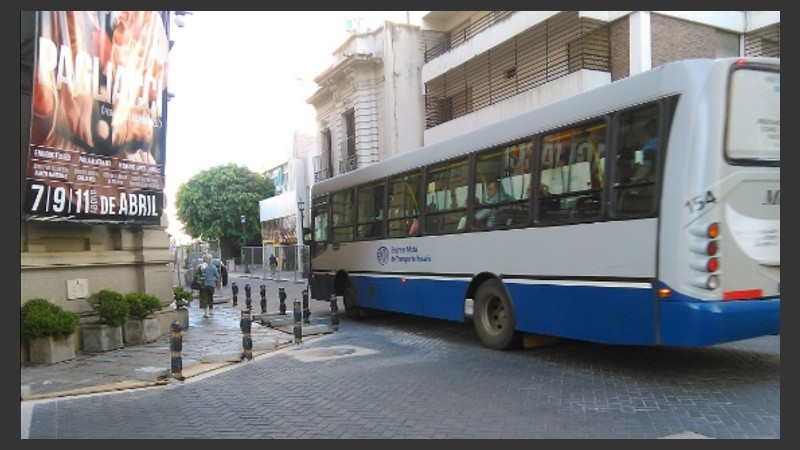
pixel 208 363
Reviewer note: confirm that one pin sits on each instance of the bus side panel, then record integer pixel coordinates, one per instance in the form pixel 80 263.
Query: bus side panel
pixel 603 314
pixel 685 321
pixel 436 298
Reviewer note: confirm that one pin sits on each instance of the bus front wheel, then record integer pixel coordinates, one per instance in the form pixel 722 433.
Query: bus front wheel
pixel 350 307
pixel 494 319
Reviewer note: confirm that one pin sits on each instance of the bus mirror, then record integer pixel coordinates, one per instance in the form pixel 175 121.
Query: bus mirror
pixel 307 239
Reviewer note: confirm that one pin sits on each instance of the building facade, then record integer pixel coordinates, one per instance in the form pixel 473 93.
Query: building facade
pixel 396 88
pixel 65 259
pixel 369 102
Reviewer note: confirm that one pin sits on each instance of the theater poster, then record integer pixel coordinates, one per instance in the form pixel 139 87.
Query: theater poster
pixel 98 121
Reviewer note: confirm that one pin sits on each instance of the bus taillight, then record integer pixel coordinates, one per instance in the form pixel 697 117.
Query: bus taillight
pixel 707 247
pixel 713 230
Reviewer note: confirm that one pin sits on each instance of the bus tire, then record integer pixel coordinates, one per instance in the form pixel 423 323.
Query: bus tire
pixel 350 307
pixel 494 318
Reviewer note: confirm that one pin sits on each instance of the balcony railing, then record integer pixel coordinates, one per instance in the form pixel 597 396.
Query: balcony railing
pixel 348 164
pixel 458 37
pixel 552 49
pixel 765 41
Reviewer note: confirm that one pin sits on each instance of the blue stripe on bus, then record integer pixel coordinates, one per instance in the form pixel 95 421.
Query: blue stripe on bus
pixel 685 321
pixel 611 313
pixel 440 298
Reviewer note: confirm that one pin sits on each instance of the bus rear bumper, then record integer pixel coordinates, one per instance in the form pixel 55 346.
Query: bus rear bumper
pixel 697 323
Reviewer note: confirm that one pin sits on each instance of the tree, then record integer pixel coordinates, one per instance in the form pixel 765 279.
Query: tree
pixel 211 203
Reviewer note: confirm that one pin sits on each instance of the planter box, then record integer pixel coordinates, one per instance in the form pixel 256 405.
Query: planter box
pixel 98 337
pixel 50 350
pixel 167 316
pixel 141 331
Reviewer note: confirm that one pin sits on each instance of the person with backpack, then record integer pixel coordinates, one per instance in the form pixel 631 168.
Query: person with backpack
pixel 210 275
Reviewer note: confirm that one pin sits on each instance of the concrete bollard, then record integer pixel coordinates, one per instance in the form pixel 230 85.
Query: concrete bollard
pixel 306 311
pixel 248 301
pixel 263 299
pixel 298 323
pixel 282 298
pixel 235 291
pixel 176 347
pixel 334 313
pixel 247 340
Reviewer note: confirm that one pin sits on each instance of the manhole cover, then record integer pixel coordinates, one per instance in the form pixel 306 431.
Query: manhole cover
pixel 326 353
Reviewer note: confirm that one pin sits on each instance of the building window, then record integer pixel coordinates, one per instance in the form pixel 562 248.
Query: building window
pixel 349 161
pixel 324 163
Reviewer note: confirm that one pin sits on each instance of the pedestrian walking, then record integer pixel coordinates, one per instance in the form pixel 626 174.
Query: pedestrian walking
pixel 224 273
pixel 210 275
pixel 273 264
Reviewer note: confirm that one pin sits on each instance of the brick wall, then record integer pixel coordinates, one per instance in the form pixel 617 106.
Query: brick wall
pixel 672 40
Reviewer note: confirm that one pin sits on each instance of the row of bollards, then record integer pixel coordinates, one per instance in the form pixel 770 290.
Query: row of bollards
pixel 245 324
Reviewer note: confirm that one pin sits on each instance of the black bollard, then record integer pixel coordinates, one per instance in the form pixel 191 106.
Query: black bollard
pixel 235 290
pixel 334 313
pixel 247 340
pixel 282 298
pixel 306 311
pixel 175 347
pixel 298 323
pixel 263 299
pixel 248 302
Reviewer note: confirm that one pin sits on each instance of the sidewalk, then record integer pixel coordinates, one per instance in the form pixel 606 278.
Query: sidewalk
pixel 208 344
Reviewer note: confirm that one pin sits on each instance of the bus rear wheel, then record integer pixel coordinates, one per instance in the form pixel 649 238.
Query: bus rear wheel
pixel 350 307
pixel 494 318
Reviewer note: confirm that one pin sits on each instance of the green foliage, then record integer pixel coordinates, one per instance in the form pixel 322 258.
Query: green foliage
pixel 40 318
pixel 110 305
pixel 211 203
pixel 183 297
pixel 141 304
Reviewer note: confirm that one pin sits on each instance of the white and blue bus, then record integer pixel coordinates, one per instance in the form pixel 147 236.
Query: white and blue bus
pixel 643 212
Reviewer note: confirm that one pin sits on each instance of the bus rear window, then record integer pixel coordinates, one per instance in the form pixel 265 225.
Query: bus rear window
pixel 754 116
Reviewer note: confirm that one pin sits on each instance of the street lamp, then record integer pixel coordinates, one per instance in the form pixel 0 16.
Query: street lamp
pixel 246 265
pixel 300 207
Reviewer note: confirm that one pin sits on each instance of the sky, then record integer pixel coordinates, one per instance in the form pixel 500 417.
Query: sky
pixel 240 82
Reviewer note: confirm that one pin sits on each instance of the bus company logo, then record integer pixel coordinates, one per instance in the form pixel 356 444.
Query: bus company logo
pixel 383 255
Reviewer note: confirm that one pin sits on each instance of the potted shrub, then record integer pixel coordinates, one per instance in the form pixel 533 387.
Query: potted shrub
pixel 183 298
pixel 105 334
pixel 141 326
pixel 49 330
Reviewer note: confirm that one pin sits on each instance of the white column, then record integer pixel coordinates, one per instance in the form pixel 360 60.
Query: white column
pixel 641 57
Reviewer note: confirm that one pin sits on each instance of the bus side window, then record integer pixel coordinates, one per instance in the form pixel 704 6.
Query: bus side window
pixel 403 206
pixel 447 188
pixel 571 174
pixel 637 161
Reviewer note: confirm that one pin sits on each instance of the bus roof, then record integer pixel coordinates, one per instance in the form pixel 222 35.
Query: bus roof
pixel 686 77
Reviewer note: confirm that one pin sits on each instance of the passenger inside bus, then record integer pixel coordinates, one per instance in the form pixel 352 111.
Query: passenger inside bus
pixel 496 195
pixel 414 229
pixel 462 222
pixel 646 169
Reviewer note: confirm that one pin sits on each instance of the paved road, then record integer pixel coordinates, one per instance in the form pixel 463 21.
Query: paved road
pixel 397 376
